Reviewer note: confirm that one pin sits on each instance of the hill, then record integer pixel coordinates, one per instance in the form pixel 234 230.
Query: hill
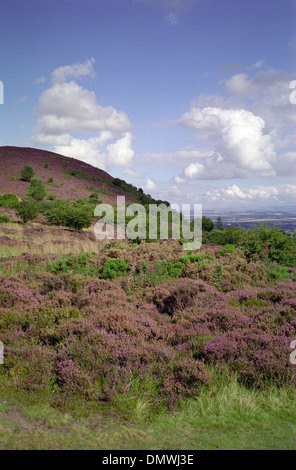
pixel 65 177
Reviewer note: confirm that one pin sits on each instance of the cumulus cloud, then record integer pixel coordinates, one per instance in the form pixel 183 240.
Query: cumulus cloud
pixel 265 94
pixel 68 110
pixel 150 185
pixel 68 106
pixel 240 146
pixel 120 153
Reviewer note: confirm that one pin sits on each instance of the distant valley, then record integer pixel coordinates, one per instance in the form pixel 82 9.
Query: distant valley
pixel 285 220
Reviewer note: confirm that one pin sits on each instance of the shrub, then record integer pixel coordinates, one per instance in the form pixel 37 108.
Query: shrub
pixel 82 263
pixel 71 216
pixel 180 297
pixel 276 272
pixel 27 173
pixel 114 268
pixel 94 197
pixel 231 235
pixel 78 218
pixel 9 200
pixel 269 243
pixel 36 189
pixel 27 210
pixel 4 219
pixel 81 175
pixel 226 249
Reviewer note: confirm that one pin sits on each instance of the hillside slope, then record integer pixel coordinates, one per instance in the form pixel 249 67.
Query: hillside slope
pixel 65 177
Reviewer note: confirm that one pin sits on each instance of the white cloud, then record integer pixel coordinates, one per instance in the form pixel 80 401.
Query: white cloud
pixel 194 171
pixel 68 110
pixel 241 149
pixel 87 150
pixel 150 185
pixel 179 180
pixel 120 153
pixel 61 74
pixel 258 194
pixel 267 95
pixel 239 84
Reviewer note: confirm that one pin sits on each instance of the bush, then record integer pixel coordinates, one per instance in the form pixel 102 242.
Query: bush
pixel 72 216
pixel 94 197
pixel 229 236
pixel 9 200
pixel 78 218
pixel 36 189
pixel 114 268
pixel 27 173
pixel 27 210
pixel 268 243
pixel 75 264
pixel 226 249
pixel 4 219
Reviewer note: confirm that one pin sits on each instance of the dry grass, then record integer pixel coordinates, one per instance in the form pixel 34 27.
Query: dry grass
pixel 36 238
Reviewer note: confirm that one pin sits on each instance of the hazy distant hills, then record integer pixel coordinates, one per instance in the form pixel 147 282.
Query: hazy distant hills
pixel 283 219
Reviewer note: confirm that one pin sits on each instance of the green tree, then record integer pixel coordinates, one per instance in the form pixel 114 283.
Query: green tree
pixel 27 210
pixel 219 224
pixel 207 224
pixel 27 173
pixel 36 189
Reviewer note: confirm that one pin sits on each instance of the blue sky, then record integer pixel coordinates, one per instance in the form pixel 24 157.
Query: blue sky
pixel 188 99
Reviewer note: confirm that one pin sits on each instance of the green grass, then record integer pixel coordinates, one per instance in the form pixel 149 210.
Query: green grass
pixel 224 416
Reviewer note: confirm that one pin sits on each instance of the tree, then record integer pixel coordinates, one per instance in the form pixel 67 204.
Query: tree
pixel 27 173
pixel 36 189
pixel 219 224
pixel 27 210
pixel 207 224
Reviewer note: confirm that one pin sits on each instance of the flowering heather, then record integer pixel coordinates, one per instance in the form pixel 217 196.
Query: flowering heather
pixel 68 329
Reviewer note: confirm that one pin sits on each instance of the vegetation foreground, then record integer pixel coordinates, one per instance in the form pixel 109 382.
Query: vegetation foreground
pixel 144 345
